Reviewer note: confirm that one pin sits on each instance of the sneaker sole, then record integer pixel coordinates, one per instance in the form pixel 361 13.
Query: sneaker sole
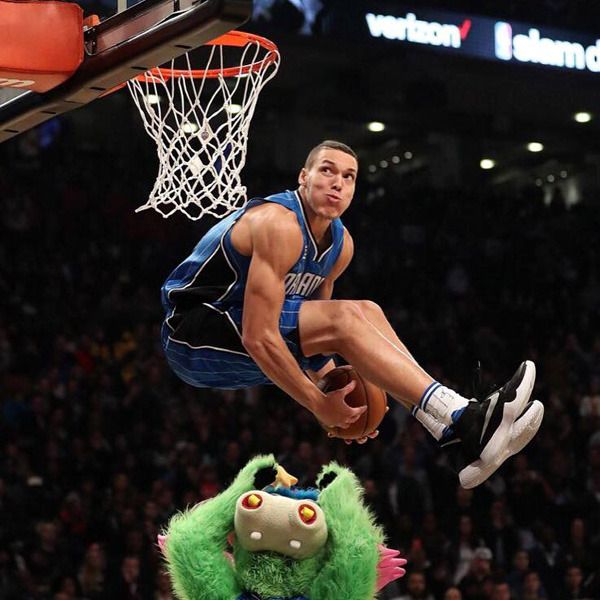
pixel 523 431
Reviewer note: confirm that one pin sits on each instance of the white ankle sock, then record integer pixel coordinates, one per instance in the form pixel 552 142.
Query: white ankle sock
pixel 435 428
pixel 442 403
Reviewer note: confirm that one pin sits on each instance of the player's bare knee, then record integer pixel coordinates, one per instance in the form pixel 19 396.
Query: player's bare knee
pixel 346 321
pixel 369 308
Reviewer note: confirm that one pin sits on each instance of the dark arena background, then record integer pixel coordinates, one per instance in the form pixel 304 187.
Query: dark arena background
pixel 475 222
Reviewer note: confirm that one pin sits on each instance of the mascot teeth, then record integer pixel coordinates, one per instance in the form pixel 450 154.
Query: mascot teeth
pixel 256 535
pixel 295 544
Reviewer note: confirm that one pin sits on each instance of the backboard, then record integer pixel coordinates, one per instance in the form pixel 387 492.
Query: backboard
pixel 132 37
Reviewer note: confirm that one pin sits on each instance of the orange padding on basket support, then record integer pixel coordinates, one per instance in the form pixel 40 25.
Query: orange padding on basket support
pixel 41 43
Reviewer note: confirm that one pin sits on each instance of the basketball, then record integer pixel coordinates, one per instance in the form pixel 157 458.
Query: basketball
pixel 365 393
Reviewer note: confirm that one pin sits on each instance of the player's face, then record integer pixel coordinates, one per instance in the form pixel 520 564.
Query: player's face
pixel 328 185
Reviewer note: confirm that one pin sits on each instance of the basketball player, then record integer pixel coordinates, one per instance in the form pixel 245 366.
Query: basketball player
pixel 252 305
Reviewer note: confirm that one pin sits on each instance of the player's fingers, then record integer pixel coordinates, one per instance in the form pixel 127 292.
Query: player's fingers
pixel 387 408
pixel 347 442
pixel 356 414
pixel 351 415
pixel 348 388
pixel 373 434
pixel 362 440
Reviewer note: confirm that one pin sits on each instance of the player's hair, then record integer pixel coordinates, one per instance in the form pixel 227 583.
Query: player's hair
pixel 333 145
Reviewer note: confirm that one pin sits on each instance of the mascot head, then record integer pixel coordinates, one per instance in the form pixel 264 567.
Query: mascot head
pixel 265 538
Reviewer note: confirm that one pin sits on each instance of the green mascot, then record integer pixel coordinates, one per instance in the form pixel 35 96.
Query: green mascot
pixel 268 540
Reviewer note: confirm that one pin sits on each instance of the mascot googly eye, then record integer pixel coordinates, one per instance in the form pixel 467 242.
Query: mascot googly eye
pixel 287 542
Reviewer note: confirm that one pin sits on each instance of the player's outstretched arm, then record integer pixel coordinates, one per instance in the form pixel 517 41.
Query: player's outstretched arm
pixel 277 243
pixel 196 540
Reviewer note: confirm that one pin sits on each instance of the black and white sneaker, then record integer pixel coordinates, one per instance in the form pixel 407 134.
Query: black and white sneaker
pixel 475 473
pixel 487 428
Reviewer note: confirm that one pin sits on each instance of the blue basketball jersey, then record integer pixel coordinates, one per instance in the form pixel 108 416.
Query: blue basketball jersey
pixel 214 276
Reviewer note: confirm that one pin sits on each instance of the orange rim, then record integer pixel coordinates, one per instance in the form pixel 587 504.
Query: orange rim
pixel 233 39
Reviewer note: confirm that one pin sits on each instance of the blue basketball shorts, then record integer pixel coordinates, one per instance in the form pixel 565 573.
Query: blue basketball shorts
pixel 203 346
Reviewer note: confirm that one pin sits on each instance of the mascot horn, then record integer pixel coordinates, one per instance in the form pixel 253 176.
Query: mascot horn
pixel 267 540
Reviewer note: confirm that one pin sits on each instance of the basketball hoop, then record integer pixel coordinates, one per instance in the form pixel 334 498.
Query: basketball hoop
pixel 200 119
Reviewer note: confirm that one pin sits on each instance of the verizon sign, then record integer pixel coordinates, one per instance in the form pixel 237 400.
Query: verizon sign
pixel 462 34
pixel 418 31
pixel 531 47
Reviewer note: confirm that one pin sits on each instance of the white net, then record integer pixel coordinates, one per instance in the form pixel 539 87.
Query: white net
pixel 200 121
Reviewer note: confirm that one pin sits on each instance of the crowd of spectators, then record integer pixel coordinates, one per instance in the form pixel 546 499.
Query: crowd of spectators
pixel 100 444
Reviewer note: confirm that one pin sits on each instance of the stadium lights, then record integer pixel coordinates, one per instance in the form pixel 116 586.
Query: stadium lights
pixel 375 126
pixel 190 127
pixel 153 99
pixel 582 117
pixel 233 109
pixel 535 147
pixel 487 163
pixel 408 155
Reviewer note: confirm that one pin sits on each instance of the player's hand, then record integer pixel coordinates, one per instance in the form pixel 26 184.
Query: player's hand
pixel 362 440
pixel 333 411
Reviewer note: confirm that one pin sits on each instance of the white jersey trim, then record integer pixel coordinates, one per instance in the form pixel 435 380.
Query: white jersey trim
pixel 316 256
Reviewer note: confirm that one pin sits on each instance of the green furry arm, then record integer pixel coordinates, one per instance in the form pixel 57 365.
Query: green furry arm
pixel 350 563
pixel 197 539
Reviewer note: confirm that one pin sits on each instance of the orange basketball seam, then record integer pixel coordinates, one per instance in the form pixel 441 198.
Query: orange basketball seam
pixel 367 401
pixel 347 378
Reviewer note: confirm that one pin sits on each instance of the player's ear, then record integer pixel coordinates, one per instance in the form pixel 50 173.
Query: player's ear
pixel 302 176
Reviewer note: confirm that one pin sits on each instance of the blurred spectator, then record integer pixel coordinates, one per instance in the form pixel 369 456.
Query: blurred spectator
pixel 92 574
pixel 547 557
pixel 453 593
pixel 68 587
pixel 45 559
pixel 416 587
pixel 463 549
pixel 573 587
pixel 578 550
pixel 499 534
pixel 520 568
pixel 412 491
pixel 501 591
pixel 476 583
pixel 532 587
pixel 128 583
